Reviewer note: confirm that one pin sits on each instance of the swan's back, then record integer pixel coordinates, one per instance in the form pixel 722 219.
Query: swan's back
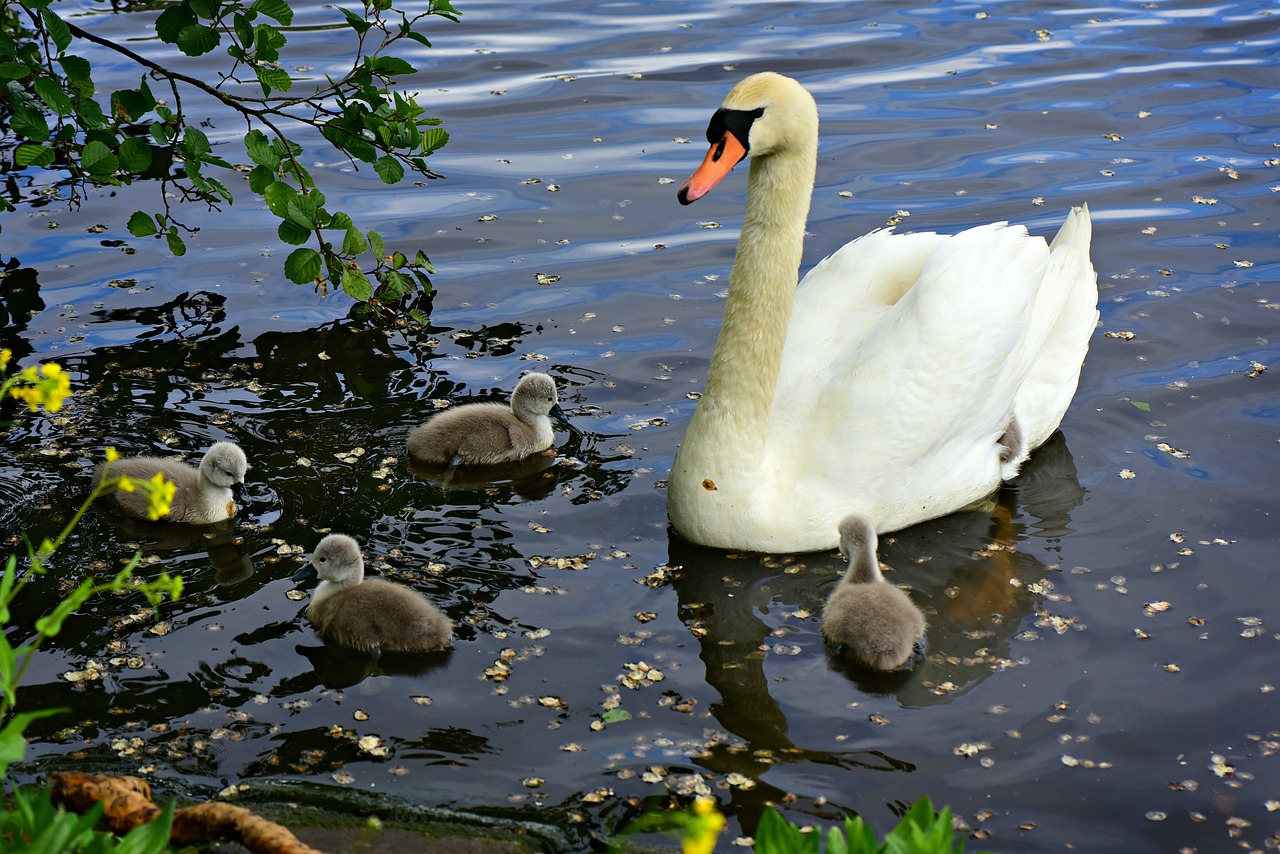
pixel 928 346
pixel 378 614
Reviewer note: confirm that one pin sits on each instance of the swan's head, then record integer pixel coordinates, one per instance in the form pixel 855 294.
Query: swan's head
pixel 764 114
pixel 224 465
pixel 535 396
pixel 336 559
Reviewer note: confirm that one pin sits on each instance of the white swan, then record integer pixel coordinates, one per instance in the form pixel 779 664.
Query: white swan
pixel 904 377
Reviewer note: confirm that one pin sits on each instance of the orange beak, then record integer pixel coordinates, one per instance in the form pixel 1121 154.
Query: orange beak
pixel 723 156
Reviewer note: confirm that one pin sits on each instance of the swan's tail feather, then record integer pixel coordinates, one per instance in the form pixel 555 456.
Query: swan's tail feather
pixel 1051 384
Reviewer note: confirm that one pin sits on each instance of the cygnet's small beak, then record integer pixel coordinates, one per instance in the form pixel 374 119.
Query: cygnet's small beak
pixel 563 417
pixel 307 573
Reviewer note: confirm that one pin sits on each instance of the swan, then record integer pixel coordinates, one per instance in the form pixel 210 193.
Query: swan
pixel 203 494
pixel 902 380
pixel 369 615
pixel 491 433
pixel 875 621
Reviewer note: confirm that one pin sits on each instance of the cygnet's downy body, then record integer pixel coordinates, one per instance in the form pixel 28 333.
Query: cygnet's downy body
pixel 203 494
pixel 369 615
pixel 875 622
pixel 491 433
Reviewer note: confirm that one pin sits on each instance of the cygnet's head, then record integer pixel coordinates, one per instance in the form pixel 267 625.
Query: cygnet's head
pixel 858 544
pixel 224 465
pixel 336 559
pixel 535 396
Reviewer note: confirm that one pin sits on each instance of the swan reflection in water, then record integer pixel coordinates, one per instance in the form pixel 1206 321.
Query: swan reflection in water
pixel 963 571
pixel 227 550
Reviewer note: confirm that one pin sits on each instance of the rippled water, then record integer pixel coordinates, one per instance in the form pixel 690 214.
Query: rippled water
pixel 1098 722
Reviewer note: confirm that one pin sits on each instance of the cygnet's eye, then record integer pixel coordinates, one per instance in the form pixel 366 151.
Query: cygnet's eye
pixel 320 559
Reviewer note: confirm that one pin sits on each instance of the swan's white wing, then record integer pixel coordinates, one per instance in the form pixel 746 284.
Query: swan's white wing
pixel 909 398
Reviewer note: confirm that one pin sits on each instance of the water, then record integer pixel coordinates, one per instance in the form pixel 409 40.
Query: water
pixel 1060 703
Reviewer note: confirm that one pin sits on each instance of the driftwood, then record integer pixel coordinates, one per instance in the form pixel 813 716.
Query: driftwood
pixel 126 804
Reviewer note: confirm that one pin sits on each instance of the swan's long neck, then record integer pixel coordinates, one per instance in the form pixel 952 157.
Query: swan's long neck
pixel 743 374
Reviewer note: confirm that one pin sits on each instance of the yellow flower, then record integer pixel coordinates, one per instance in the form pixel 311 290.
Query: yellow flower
pixel 45 386
pixel 160 494
pixel 702 831
pixel 112 455
pixel 5 356
pixel 125 484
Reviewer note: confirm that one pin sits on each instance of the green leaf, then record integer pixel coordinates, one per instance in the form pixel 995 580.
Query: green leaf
pixel 194 143
pixel 97 159
pixel 142 225
pixel 434 139
pixel 13 747
pixel 149 838
pixel 161 133
pixel 613 716
pixel 260 178
pixel 204 8
pixel 244 29
pixel 388 66
pixel 176 244
pixel 135 155
pixel 277 196
pixel 339 220
pixel 273 78
pixel 132 104
pixel 53 95
pixel 356 285
pixel 375 243
pixel 197 39
pixel 13 71
pixel 353 243
pixel 30 154
pixel 292 233
pixel 389 169
pixel 173 21
pixel 303 266
pixel 57 29
pixel 260 151
pixel 357 23
pixel 29 123
pixel 277 9
pixel 1137 404
pixel 77 69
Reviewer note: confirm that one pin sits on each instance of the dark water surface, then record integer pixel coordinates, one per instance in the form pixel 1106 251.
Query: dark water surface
pixel 1104 648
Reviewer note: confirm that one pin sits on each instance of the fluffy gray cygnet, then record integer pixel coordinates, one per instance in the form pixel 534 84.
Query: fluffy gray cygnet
pixel 876 622
pixel 490 433
pixel 203 494
pixel 369 615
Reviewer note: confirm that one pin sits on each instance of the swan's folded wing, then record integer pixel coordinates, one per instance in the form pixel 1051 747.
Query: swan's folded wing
pixel 923 391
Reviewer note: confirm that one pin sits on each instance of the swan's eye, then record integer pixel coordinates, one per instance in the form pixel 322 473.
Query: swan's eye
pixel 320 560
pixel 736 122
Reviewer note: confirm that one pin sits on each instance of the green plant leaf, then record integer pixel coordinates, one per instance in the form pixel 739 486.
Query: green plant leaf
pixel 13 747
pixel 303 266
pixel 29 123
pixel 194 143
pixel 389 170
pixel 353 243
pixel 135 155
pixel 273 78
pixel 30 154
pixel 97 159
pixel 173 21
pixel 376 244
pixel 613 716
pixel 57 29
pixel 277 196
pixel 53 95
pixel 176 244
pixel 244 29
pixel 357 23
pixel 13 70
pixel 149 838
pixel 1138 404
pixel 292 233
pixel 356 285
pixel 142 225
pixel 197 39
pixel 434 139
pixel 277 9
